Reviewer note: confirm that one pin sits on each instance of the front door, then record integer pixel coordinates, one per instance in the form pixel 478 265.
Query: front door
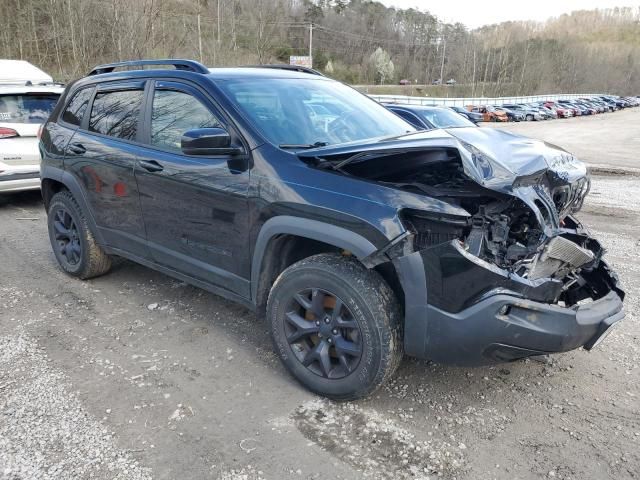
pixel 194 207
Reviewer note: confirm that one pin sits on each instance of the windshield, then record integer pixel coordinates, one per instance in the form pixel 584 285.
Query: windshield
pixel 27 108
pixel 314 111
pixel 444 118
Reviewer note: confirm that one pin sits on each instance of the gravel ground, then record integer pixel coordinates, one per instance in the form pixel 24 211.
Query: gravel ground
pixel 134 375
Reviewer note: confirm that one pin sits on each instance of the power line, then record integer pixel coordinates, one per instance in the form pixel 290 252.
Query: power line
pixel 370 39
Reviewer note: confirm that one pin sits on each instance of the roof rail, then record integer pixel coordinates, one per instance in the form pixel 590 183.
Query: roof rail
pixel 187 65
pixel 286 66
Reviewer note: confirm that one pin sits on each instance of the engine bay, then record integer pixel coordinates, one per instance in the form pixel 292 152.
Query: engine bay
pixel 502 229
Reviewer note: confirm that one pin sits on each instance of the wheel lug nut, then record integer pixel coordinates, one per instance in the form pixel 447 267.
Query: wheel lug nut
pixel 334 331
pixel 327 320
pixel 317 323
pixel 329 340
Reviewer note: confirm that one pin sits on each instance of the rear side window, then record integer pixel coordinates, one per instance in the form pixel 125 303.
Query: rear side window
pixel 173 114
pixel 27 107
pixel 76 108
pixel 116 113
pixel 409 117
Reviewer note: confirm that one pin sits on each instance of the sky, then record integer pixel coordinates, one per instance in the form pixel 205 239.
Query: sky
pixel 475 13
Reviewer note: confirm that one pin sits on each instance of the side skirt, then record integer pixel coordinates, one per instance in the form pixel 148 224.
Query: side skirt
pixel 222 292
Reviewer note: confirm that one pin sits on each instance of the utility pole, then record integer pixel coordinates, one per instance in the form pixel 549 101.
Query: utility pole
pixel 311 45
pixel 444 51
pixel 218 22
pixel 199 38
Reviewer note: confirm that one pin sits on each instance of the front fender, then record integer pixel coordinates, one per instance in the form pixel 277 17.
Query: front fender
pixel 303 227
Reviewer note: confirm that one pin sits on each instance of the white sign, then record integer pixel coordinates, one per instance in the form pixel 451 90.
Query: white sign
pixel 301 60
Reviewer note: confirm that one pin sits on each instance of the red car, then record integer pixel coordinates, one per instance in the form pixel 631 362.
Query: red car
pixel 563 112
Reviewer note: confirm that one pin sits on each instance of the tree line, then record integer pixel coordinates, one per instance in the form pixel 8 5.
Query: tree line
pixel 357 41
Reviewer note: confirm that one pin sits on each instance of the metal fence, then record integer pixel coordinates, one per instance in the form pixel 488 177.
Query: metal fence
pixel 464 101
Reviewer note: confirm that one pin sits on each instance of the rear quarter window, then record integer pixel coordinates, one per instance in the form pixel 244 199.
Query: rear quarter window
pixel 116 113
pixel 76 108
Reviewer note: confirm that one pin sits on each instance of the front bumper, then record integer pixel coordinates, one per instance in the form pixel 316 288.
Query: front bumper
pixel 477 314
pixel 503 328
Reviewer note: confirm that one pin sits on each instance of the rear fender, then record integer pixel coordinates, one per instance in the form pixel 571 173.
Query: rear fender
pixel 72 184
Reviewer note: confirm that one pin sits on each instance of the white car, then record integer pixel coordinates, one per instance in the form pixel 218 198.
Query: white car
pixel 27 97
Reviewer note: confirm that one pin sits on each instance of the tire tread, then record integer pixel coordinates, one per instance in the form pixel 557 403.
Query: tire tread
pixel 98 262
pixel 380 300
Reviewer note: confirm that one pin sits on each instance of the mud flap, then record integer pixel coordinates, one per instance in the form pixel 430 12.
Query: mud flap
pixel 413 279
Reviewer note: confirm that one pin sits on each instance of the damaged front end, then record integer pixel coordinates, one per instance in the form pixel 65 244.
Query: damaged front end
pixel 518 275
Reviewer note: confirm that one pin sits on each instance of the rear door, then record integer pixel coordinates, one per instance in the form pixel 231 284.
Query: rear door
pixel 102 154
pixel 195 207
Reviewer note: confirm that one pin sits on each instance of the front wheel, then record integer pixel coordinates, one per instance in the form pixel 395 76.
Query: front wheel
pixel 335 325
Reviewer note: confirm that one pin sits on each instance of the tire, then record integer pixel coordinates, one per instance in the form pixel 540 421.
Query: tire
pixel 356 345
pixel 72 242
pixel 529 118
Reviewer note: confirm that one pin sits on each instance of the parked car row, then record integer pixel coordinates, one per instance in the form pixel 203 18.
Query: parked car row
pixel 428 117
pixel 551 109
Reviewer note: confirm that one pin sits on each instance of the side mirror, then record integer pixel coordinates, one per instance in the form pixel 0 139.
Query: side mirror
pixel 208 141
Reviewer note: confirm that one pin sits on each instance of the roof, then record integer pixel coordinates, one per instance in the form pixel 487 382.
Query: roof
pixel 415 107
pixel 258 72
pixel 21 71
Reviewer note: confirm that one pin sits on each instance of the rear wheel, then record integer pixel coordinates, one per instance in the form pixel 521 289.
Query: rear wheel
pixel 72 241
pixel 529 118
pixel 335 326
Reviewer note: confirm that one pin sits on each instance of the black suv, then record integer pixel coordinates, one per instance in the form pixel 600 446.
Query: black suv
pixel 356 236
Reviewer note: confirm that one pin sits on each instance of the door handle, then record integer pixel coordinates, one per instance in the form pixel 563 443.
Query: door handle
pixel 151 165
pixel 77 148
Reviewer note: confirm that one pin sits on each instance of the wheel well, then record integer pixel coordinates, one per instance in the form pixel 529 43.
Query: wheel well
pixel 283 251
pixel 49 189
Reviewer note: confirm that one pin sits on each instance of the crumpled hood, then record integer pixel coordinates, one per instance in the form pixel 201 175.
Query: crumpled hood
pixel 496 158
pixel 493 158
pixel 551 181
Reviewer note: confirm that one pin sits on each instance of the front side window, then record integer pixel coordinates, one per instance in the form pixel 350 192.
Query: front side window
pixel 27 107
pixel 116 113
pixel 76 108
pixel 173 114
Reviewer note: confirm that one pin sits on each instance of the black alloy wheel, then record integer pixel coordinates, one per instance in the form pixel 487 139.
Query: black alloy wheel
pixel 323 333
pixel 336 325
pixel 72 241
pixel 67 236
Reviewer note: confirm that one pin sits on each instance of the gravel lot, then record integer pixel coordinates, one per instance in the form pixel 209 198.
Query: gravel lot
pixel 134 376
pixel 611 139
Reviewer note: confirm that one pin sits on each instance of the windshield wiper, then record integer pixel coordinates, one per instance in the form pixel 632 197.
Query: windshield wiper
pixel 293 146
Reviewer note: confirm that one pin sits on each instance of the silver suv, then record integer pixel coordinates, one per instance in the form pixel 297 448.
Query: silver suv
pixel 27 97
